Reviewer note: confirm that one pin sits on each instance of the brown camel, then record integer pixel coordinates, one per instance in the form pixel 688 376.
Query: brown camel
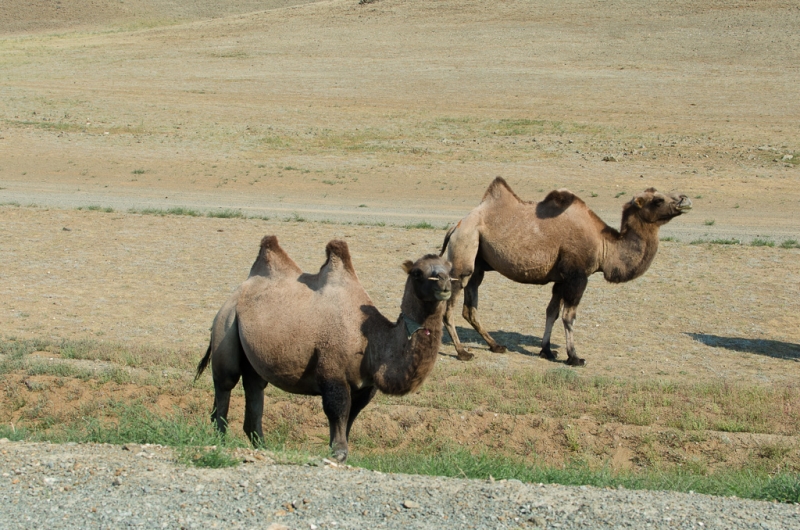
pixel 320 334
pixel 558 240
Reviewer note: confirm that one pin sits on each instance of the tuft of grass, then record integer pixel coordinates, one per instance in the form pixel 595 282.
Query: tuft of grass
pixel 709 222
pixel 177 210
pixel 213 457
pixel 422 225
pixel 618 195
pixel 762 242
pixel 96 208
pixel 669 238
pixel 227 214
pixel 296 218
pixel 790 243
pixel 138 171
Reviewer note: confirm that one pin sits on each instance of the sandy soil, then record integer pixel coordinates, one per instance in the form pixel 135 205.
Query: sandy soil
pixel 401 112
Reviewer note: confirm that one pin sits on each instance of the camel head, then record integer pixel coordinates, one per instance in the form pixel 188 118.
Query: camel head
pixel 430 278
pixel 652 206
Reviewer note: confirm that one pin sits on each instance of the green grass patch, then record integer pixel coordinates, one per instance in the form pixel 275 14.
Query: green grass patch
pixel 177 210
pixel 422 225
pixel 761 242
pixel 790 243
pixel 458 462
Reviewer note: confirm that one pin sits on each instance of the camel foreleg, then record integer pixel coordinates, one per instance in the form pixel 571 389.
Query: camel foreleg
pixel 336 404
pixel 553 309
pixel 449 324
pixel 572 297
pixel 359 400
pixel 470 311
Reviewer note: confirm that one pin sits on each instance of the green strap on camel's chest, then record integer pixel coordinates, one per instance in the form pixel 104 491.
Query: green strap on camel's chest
pixel 411 326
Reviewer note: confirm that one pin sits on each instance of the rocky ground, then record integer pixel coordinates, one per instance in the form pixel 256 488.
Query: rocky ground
pixel 103 486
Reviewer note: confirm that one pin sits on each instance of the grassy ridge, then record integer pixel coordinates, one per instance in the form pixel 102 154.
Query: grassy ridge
pixel 112 416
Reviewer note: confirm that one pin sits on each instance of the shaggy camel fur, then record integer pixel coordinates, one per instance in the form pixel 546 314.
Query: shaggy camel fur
pixel 320 334
pixel 558 240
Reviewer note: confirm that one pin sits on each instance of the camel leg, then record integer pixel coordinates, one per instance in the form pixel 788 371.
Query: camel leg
pixel 359 400
pixel 463 354
pixel 553 309
pixel 254 387
pixel 572 294
pixel 226 372
pixel 470 312
pixel 336 405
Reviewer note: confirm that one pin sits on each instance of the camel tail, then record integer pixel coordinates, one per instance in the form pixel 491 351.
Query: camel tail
pixel 203 363
pixel 447 239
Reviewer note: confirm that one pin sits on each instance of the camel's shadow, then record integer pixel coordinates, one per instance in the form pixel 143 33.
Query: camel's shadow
pixel 513 341
pixel 770 348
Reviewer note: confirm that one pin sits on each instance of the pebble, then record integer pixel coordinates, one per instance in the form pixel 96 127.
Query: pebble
pixel 105 486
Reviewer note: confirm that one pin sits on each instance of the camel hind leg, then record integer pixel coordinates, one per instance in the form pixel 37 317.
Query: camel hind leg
pixel 470 311
pixel 254 386
pixel 226 370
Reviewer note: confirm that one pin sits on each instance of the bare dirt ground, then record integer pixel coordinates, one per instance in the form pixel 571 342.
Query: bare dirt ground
pixel 400 112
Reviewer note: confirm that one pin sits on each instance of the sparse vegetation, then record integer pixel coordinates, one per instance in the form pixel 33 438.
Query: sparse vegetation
pixel 762 242
pixel 422 225
pixel 96 208
pixel 719 241
pixel 227 213
pixel 790 243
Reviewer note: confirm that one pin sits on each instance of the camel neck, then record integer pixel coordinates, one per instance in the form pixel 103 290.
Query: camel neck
pixel 628 255
pixel 401 355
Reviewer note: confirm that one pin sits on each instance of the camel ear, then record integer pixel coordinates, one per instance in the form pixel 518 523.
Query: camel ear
pixel 650 190
pixel 408 265
pixel 638 201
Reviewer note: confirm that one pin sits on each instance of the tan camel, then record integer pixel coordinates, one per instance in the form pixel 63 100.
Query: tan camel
pixel 557 240
pixel 320 334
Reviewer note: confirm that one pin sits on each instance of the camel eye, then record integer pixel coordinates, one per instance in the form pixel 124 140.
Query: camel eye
pixel 658 201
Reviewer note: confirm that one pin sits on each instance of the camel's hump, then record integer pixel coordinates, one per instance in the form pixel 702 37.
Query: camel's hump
pixel 497 189
pixel 338 254
pixel 561 198
pixel 273 259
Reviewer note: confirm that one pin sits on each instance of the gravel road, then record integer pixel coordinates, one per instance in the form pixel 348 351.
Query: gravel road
pixel 106 486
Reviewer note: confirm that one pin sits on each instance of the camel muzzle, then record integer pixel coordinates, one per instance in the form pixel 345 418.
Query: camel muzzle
pixel 685 204
pixel 443 295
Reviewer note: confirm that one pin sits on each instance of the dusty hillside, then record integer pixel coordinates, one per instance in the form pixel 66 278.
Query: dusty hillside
pixel 24 16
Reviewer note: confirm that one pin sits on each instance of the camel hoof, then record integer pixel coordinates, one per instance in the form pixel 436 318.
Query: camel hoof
pixel 465 356
pixel 575 361
pixel 497 348
pixel 548 354
pixel 340 455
